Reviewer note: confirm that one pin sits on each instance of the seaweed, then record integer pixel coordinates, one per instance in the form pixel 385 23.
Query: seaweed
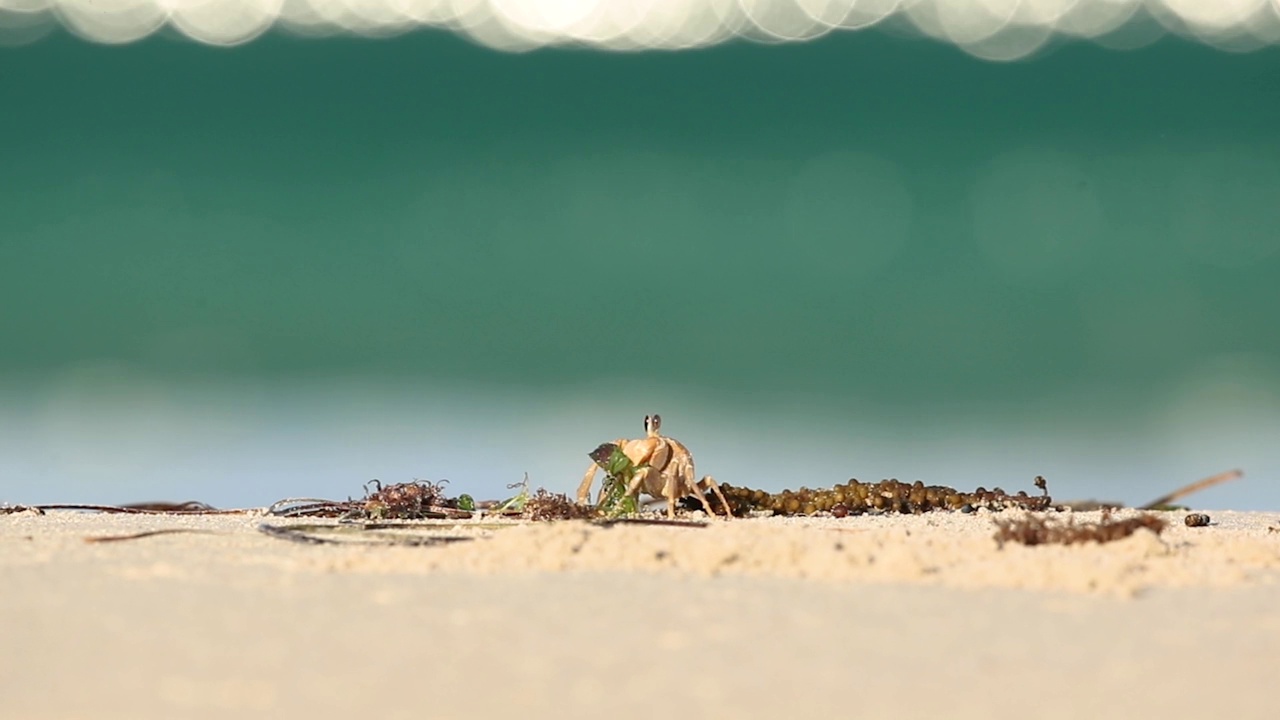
pixel 545 505
pixel 1041 530
pixel 619 472
pixel 407 501
pixel 857 498
pixel 515 504
pixel 417 500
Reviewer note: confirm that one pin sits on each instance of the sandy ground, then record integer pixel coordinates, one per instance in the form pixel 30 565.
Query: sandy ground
pixel 903 616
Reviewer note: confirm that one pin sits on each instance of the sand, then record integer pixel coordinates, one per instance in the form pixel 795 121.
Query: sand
pixel 902 616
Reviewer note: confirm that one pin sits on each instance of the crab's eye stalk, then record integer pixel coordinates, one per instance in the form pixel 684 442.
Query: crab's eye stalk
pixel 656 422
pixel 648 422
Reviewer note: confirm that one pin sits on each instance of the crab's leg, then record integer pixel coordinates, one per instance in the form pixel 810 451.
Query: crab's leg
pixel 640 480
pixel 584 490
pixel 715 487
pixel 702 497
pixel 697 492
pixel 672 497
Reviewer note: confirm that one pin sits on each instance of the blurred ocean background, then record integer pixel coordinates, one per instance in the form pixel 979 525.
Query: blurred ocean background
pixel 284 268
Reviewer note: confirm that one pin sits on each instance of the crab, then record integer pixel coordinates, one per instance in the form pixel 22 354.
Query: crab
pixel 664 469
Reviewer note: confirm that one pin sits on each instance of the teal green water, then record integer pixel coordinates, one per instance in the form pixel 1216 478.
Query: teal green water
pixel 859 242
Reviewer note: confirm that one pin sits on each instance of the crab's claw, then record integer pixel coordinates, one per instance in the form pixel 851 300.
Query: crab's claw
pixel 602 454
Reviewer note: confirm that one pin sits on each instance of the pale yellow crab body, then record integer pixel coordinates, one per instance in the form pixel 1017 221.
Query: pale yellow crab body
pixel 665 470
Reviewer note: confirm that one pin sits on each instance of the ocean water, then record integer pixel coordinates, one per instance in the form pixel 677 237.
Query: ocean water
pixel 292 266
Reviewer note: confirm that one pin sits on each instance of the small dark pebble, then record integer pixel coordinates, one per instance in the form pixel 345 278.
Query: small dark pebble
pixel 966 508
pixel 839 510
pixel 1197 520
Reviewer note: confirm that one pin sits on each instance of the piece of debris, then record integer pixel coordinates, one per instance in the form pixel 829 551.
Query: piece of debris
pixel 1196 520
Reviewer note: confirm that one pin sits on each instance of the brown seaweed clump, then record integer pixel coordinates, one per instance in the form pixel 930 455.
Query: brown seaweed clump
pixel 857 498
pixel 545 505
pixel 1039 530
pixel 402 501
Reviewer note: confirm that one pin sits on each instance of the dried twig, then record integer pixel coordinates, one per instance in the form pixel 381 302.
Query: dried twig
pixel 1193 487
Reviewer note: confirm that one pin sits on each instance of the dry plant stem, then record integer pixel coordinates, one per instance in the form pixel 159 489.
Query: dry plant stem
pixel 1193 487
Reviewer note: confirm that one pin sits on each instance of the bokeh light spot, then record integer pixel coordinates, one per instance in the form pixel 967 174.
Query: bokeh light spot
pixel 1000 30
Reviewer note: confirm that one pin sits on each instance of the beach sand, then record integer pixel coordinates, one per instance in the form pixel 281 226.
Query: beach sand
pixel 869 616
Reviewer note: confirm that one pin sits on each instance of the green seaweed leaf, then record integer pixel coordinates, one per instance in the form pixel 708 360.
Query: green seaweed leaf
pixel 619 472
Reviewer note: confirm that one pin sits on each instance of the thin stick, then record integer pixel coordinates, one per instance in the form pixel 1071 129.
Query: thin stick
pixel 308 534
pixel 1193 487
pixel 145 510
